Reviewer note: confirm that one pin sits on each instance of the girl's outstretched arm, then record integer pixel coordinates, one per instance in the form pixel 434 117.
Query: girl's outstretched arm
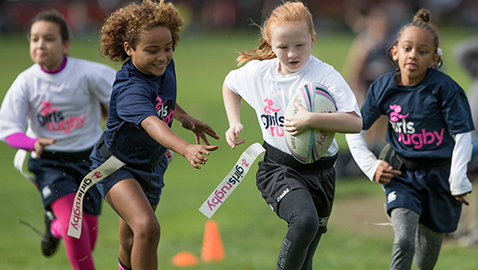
pixel 161 132
pixel 232 103
pixel 199 128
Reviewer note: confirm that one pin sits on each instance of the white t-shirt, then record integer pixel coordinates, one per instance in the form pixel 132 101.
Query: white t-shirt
pixel 266 90
pixel 64 106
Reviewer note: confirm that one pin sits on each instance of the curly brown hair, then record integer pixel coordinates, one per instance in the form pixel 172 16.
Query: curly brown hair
pixel 127 23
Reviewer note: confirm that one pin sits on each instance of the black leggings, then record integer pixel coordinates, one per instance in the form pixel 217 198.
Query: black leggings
pixel 298 248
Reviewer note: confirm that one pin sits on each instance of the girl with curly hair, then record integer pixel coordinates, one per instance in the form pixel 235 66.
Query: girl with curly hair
pixel 142 107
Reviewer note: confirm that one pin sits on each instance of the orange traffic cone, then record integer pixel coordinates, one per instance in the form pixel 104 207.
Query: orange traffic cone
pixel 185 258
pixel 212 248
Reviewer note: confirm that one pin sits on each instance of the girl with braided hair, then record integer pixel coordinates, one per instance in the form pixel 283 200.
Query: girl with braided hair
pixel 424 173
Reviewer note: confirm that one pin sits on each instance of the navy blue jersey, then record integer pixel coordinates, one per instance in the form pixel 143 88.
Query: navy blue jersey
pixel 136 96
pixel 422 117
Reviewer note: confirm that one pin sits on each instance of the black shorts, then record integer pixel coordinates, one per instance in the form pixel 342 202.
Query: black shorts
pixel 57 177
pixel 274 181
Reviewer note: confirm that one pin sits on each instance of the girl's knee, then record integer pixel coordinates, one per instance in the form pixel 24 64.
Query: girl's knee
pixel 306 224
pixel 406 244
pixel 147 230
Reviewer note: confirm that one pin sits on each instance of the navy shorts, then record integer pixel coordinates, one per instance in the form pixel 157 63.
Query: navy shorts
pixel 274 181
pixel 151 182
pixel 426 192
pixel 57 178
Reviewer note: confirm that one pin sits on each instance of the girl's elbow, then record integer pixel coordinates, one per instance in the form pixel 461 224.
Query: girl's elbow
pixel 356 127
pixel 353 123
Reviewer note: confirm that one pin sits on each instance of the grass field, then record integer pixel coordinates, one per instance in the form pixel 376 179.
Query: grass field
pixel 250 231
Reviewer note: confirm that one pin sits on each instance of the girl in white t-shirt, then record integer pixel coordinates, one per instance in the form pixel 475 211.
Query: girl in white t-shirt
pixel 54 109
pixel 301 194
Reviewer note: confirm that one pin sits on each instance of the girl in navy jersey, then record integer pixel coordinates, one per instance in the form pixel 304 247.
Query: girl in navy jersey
pixel 424 173
pixel 142 107
pixel 300 194
pixel 54 109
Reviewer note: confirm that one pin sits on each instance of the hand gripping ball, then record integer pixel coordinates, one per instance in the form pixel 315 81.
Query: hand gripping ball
pixel 309 146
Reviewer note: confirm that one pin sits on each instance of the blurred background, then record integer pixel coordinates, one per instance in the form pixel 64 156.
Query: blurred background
pixel 87 15
pixel 352 36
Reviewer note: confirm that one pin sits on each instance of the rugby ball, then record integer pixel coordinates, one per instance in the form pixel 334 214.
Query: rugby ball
pixel 309 146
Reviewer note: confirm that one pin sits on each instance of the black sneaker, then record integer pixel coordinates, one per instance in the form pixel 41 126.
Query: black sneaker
pixel 49 243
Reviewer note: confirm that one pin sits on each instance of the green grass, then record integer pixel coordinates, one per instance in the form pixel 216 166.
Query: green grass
pixel 250 231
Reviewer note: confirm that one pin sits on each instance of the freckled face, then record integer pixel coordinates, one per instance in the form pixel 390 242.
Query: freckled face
pixel 154 51
pixel 415 52
pixel 292 43
pixel 46 46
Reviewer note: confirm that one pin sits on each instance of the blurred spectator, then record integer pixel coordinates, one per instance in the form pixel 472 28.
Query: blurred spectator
pixel 367 58
pixel 234 14
pixel 469 13
pixel 366 61
pixel 466 53
pixel 219 14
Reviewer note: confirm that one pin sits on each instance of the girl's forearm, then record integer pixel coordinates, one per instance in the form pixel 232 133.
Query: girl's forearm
pixel 232 104
pixel 20 140
pixel 159 131
pixel 339 122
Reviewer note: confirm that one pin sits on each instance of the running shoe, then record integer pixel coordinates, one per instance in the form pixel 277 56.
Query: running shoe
pixel 49 243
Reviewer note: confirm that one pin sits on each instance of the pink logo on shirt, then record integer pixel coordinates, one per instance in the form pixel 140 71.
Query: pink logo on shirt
pixel 408 135
pixel 47 109
pixel 54 120
pixel 268 108
pixel 271 120
pixel 163 111
pixel 395 115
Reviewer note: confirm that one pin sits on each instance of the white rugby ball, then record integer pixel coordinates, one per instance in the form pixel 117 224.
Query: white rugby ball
pixel 309 146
